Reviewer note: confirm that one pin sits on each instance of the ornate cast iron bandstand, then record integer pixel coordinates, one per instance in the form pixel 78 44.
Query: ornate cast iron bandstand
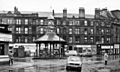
pixel 50 45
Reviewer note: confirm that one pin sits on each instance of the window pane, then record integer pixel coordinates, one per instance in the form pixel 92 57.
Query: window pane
pixel 58 30
pixel 85 23
pixel 26 21
pixel 26 30
pixel 70 31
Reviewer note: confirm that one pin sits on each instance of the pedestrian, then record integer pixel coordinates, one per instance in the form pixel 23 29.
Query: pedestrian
pixel 105 58
pixel 10 58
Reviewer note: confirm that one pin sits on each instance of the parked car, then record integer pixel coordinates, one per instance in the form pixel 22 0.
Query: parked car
pixel 74 62
pixel 86 54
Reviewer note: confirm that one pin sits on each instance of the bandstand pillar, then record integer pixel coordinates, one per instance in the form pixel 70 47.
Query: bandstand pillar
pixel 46 51
pixel 50 49
pixel 53 48
pixel 39 48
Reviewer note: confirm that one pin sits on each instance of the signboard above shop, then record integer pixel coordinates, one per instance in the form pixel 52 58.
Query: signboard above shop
pixel 6 37
pixel 106 47
pixel 116 45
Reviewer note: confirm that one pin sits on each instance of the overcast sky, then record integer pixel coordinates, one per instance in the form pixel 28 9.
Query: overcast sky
pixel 58 5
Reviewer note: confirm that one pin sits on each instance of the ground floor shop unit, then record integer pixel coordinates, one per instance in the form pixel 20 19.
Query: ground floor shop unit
pixel 4 51
pixel 83 48
pixel 23 49
pixel 113 49
pixel 4 58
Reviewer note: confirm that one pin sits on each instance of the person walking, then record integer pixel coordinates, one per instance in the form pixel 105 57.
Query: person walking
pixel 10 58
pixel 105 58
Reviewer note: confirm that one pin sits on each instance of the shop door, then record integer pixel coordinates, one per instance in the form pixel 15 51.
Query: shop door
pixel 1 49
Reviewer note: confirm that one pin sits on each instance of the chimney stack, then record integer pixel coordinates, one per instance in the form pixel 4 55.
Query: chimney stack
pixel 64 13
pixel 81 12
pixel 97 12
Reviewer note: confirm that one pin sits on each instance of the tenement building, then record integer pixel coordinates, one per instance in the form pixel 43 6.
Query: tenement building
pixel 82 32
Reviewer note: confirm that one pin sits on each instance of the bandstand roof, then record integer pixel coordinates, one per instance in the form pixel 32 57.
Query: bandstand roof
pixel 50 37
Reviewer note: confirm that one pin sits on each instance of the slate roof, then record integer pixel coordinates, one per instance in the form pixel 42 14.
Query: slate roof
pixel 46 14
pixel 50 37
pixel 116 13
pixel 69 15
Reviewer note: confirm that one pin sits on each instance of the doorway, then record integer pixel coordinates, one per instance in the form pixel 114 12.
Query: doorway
pixel 1 49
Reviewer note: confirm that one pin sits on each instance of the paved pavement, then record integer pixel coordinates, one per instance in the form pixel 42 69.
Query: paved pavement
pixel 59 64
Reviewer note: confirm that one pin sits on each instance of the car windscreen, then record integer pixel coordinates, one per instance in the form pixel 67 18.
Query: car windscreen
pixel 74 58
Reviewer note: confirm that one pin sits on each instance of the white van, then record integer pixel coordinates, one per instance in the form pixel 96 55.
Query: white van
pixel 71 52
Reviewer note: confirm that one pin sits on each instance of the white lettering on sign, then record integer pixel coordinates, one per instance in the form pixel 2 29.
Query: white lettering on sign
pixel 106 47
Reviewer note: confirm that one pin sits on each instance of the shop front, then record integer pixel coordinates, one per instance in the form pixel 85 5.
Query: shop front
pixel 116 49
pixel 29 49
pixel 5 38
pixel 102 48
pixel 86 48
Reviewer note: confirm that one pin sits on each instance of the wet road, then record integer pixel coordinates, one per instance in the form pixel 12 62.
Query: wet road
pixel 58 65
